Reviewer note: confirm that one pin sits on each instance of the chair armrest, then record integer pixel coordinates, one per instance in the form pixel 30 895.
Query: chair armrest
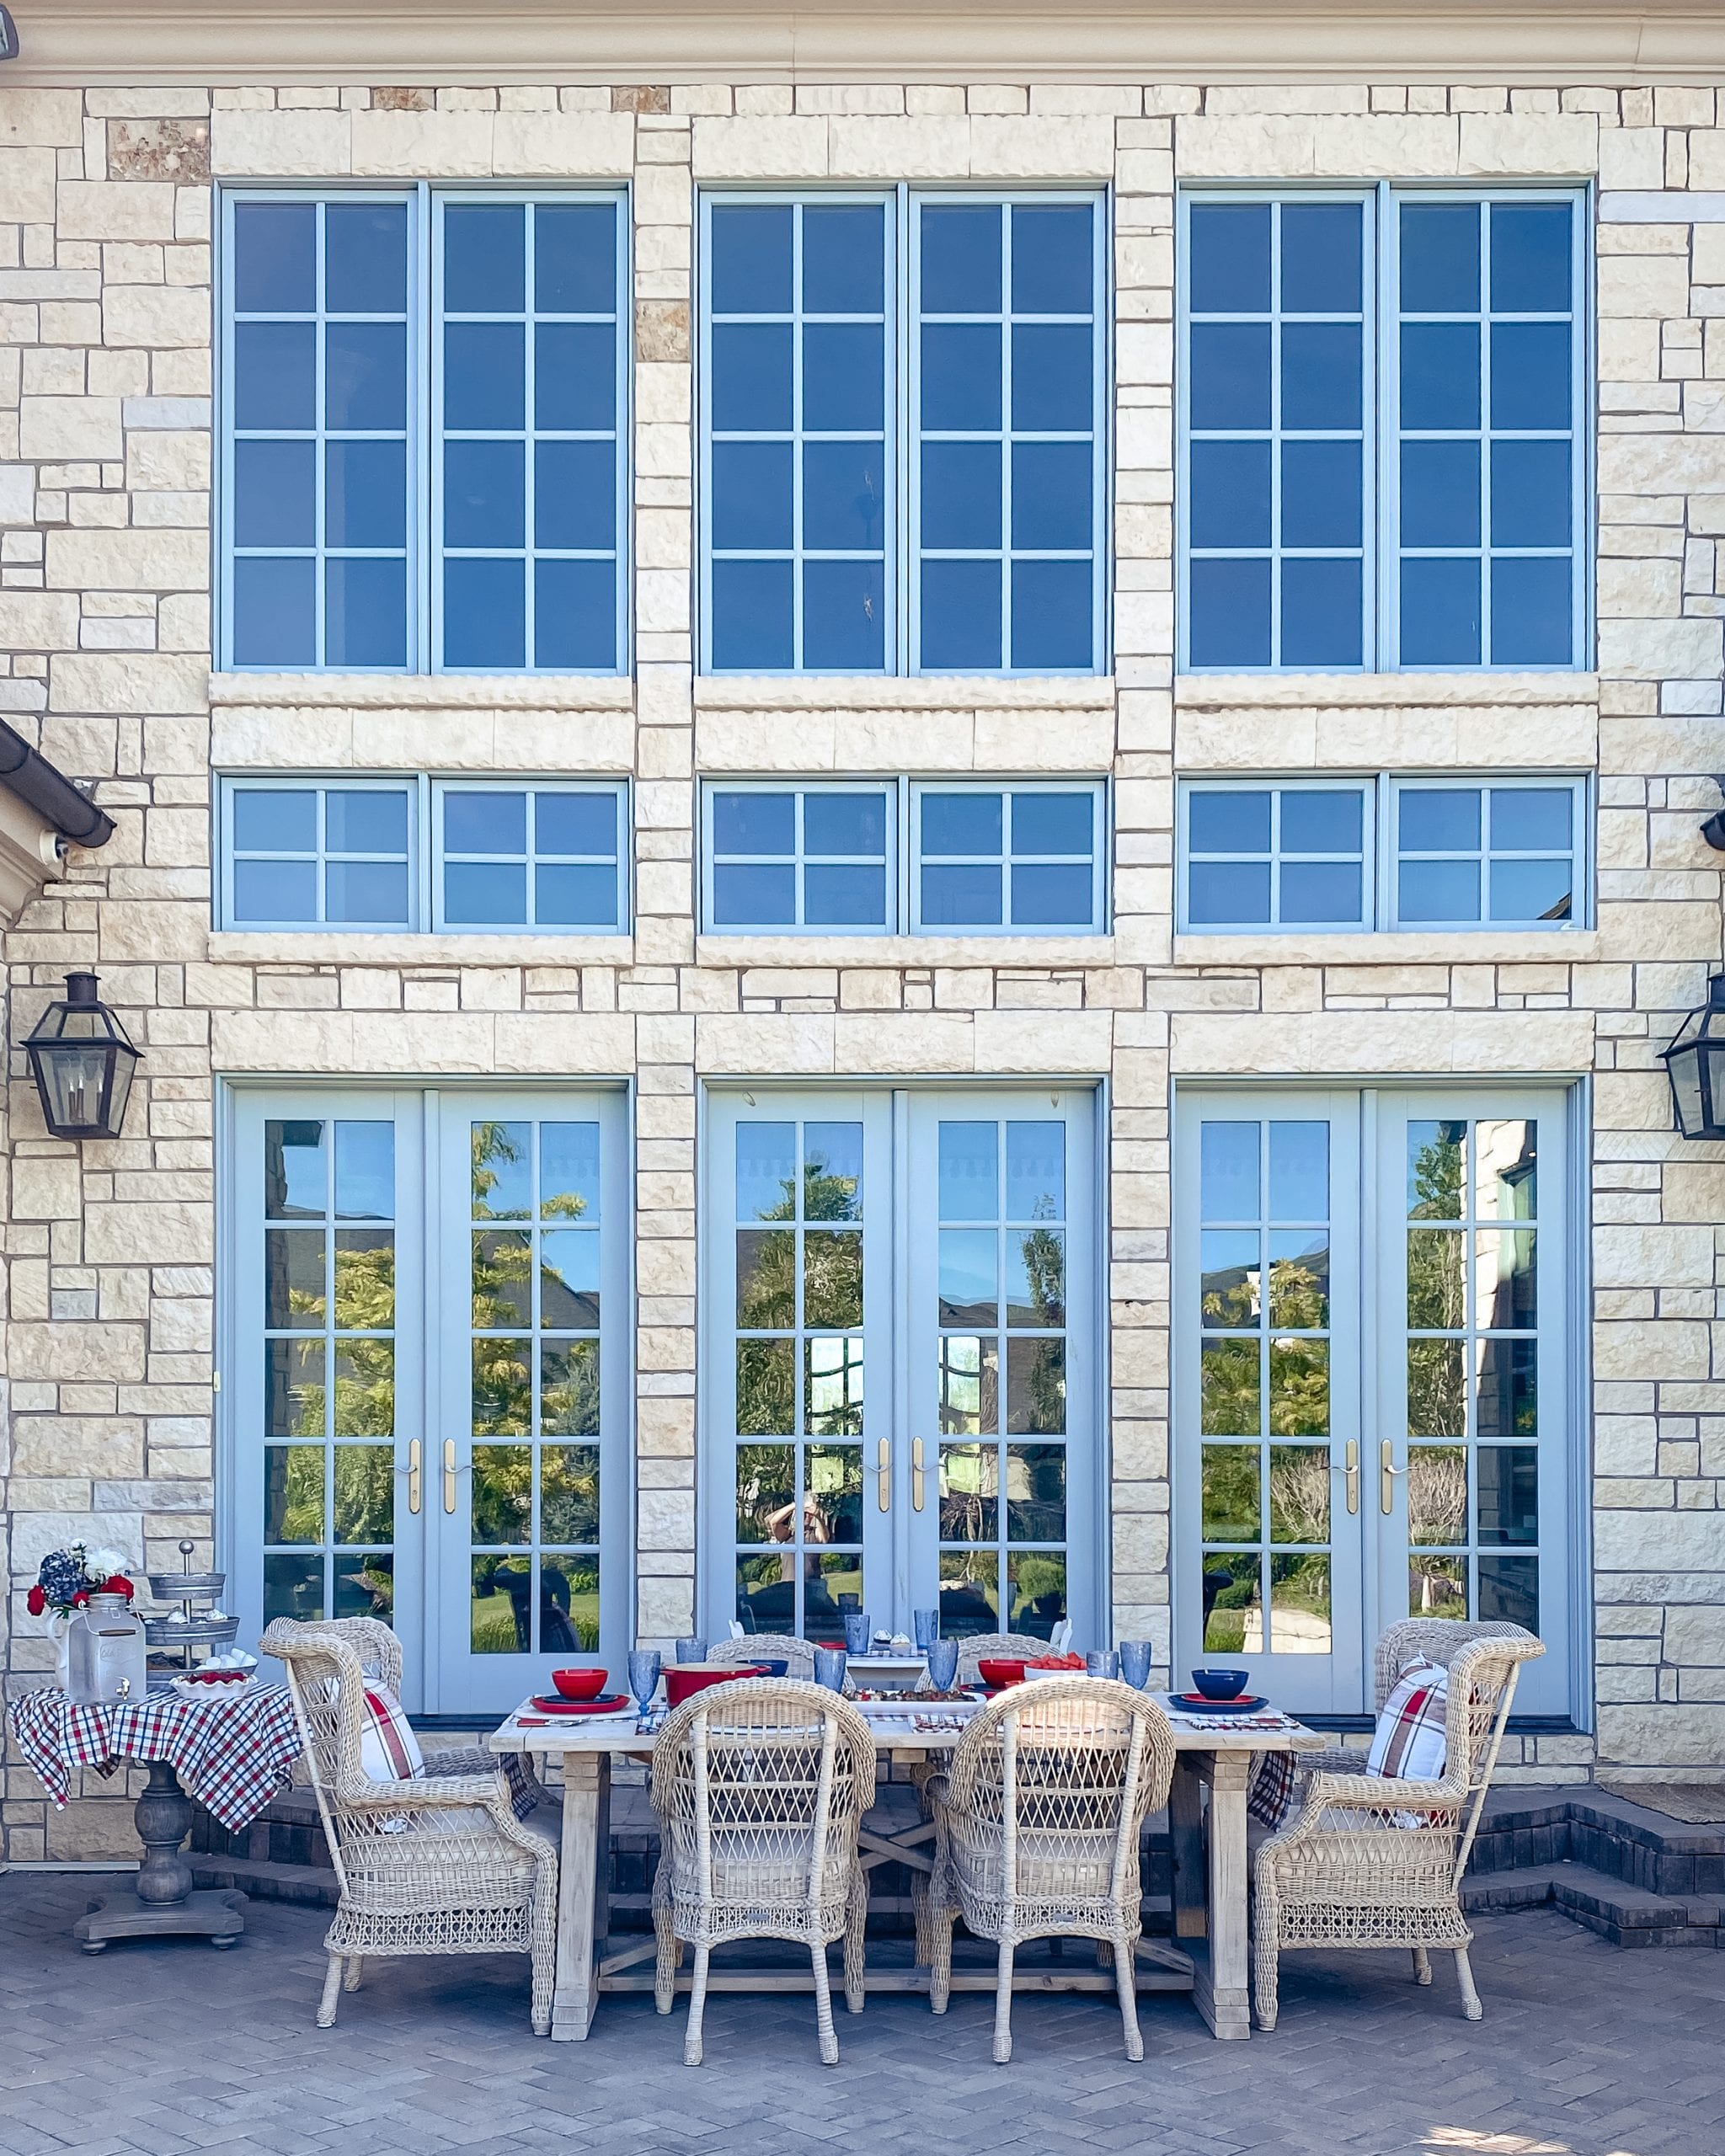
pixel 1333 1759
pixel 1328 1792
pixel 427 1793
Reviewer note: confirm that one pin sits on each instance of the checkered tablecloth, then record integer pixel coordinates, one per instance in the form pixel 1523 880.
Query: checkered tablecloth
pixel 231 1754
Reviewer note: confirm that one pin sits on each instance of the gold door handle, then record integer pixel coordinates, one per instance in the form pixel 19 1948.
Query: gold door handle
pixel 916 1475
pixel 415 1474
pixel 448 1475
pixel 1387 1472
pixel 884 1475
pixel 1351 1470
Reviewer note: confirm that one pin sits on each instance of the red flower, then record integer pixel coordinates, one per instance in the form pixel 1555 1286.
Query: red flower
pixel 117 1584
pixel 81 1600
pixel 36 1602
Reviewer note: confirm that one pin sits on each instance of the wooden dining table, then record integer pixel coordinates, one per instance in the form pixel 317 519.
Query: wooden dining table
pixel 1206 1957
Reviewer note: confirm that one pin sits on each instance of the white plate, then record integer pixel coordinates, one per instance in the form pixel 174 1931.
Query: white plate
pixel 188 1690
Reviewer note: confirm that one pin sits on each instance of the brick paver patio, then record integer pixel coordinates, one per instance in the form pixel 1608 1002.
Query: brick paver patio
pixel 164 2047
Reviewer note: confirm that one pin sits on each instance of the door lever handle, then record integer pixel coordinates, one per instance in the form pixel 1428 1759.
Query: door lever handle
pixel 916 1475
pixel 449 1472
pixel 1387 1472
pixel 884 1475
pixel 415 1474
pixel 1351 1469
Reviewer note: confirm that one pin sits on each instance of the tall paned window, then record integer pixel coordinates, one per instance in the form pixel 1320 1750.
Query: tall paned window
pixel 902 450
pixel 422 395
pixel 1381 398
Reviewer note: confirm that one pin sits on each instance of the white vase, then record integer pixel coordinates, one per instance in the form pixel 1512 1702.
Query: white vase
pixel 59 1628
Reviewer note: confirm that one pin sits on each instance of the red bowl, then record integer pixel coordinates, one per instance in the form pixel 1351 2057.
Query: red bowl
pixel 995 1673
pixel 579 1684
pixel 683 1680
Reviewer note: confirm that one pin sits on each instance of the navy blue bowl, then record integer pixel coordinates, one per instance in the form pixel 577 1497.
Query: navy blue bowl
pixel 1219 1684
pixel 771 1668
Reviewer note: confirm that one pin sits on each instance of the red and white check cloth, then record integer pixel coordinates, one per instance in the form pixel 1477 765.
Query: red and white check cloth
pixel 232 1755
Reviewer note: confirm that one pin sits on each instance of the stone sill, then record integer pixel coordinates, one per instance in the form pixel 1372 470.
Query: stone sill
pixel 1395 948
pixel 1354 691
pixel 904 692
pixel 955 952
pixel 413 950
pixel 426 692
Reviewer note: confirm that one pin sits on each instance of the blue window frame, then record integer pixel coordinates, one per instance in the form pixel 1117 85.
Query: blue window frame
pixel 521 857
pixel 1507 854
pixel 1269 856
pixel 1287 856
pixel 817 860
pixel 314 854
pixel 1382 401
pixel 903 457
pixel 1019 860
pixel 455 856
pixel 423 397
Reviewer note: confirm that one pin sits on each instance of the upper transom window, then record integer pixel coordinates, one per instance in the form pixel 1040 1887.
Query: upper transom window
pixel 902 450
pixel 424 464
pixel 1381 393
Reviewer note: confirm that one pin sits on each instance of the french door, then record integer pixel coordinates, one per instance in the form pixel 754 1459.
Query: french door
pixel 899 1395
pixel 1372 1382
pixel 427 1421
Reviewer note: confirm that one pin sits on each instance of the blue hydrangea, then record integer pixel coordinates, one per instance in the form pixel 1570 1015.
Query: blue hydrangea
pixel 62 1577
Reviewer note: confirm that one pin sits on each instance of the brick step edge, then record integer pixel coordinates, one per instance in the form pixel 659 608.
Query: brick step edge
pixel 1627 1915
pixel 311 1885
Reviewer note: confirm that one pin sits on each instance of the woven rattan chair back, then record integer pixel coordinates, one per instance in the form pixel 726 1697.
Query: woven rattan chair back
pixel 760 1787
pixel 797 1655
pixel 1037 1826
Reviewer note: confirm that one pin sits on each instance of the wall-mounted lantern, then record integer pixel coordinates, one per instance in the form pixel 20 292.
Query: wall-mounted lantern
pixel 1695 1062
pixel 83 1064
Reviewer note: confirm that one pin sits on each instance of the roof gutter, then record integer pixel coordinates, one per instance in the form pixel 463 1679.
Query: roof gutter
pixel 50 793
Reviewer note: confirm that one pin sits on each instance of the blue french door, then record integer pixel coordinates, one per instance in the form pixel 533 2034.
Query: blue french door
pixel 424 1308
pixel 899 1386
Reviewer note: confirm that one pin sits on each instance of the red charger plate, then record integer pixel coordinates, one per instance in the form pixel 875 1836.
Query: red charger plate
pixel 608 1704
pixel 1249 1702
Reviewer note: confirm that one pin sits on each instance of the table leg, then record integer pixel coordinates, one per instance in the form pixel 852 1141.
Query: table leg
pixel 581 1892
pixel 1220 1986
pixel 1186 1832
pixel 163 1901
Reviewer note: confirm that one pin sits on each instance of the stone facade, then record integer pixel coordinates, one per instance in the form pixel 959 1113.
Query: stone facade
pixel 105 217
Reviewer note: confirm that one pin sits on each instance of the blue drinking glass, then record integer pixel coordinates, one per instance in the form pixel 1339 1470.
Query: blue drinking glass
pixel 1107 1664
pixel 830 1668
pixel 1134 1662
pixel 927 1623
pixel 943 1664
pixel 856 1632
pixel 645 1664
pixel 691 1650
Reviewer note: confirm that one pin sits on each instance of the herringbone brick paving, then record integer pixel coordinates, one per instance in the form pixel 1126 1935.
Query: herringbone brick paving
pixel 163 2048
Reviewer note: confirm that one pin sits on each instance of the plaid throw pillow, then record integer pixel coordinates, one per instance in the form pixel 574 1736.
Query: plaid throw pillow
pixel 1410 1742
pixel 389 1751
pixel 1270 1798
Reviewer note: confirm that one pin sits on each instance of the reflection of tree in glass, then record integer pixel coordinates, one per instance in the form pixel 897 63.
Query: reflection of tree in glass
pixel 1044 1257
pixel 1300 1393
pixel 1437 1495
pixel 1299 1494
pixel 767 1377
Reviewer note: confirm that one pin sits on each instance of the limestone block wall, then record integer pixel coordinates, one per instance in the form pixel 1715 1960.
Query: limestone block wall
pixel 105 214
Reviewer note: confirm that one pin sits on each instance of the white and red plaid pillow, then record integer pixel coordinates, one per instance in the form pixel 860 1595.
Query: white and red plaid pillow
pixel 389 1751
pixel 1411 1742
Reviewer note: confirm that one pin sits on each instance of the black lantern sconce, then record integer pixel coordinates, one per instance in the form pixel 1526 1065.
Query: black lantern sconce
pixel 83 1064
pixel 1695 1062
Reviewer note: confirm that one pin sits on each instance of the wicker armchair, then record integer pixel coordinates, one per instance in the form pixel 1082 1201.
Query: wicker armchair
pixel 797 1655
pixel 439 1865
pixel 759 1788
pixel 1036 1833
pixel 1347 1870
